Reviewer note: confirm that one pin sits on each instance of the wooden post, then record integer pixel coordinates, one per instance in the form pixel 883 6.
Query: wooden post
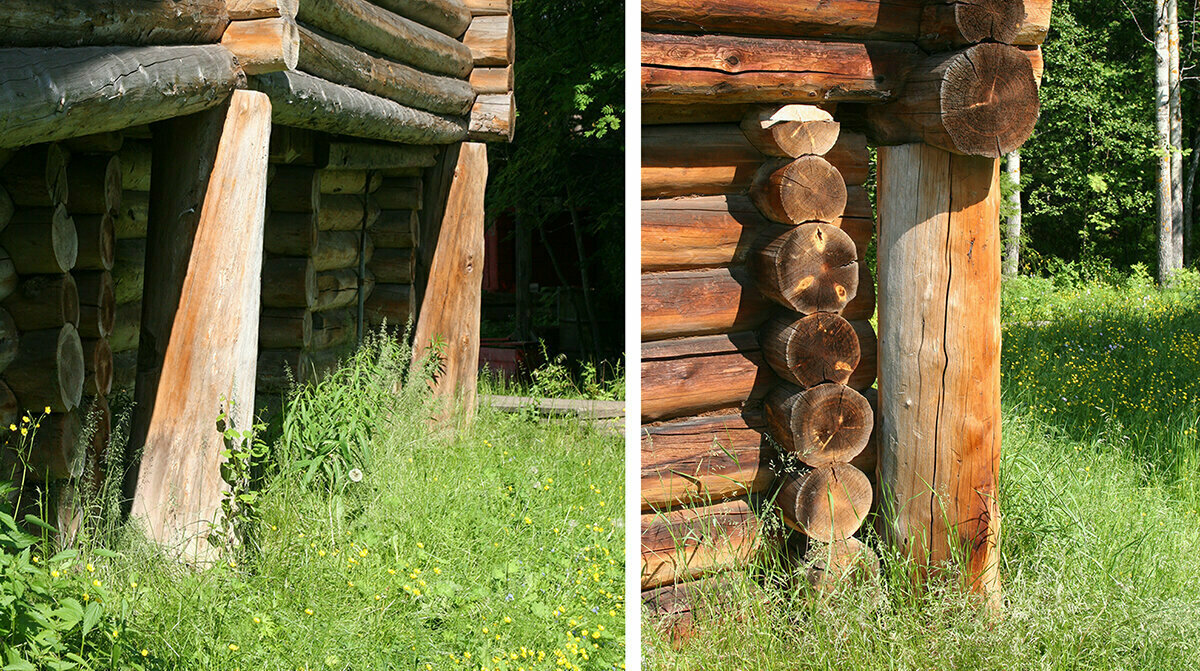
pixel 200 313
pixel 939 358
pixel 450 307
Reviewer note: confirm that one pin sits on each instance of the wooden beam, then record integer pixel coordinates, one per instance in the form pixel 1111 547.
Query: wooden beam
pixel 200 315
pixel 491 41
pixel 493 118
pixel 450 307
pixel 690 376
pixel 69 23
pixel 939 358
pixel 492 80
pixel 446 16
pixel 489 7
pixel 701 302
pixel 369 156
pixel 304 101
pixel 51 94
pixel 261 9
pixel 263 45
pixel 686 544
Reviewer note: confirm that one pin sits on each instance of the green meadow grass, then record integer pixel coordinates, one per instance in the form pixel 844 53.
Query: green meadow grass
pixel 494 546
pixel 1098 492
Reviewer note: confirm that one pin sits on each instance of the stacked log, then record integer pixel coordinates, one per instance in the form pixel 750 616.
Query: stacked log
pixel 492 42
pixel 129 259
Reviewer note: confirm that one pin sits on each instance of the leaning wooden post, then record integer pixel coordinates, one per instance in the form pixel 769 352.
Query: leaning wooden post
pixel 200 313
pixel 450 306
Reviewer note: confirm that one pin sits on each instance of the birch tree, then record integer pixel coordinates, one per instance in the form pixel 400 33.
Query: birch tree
pixel 1175 92
pixel 1012 229
pixel 1162 107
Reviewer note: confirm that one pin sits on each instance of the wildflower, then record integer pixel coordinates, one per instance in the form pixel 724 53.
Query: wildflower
pixel 145 652
pixel 95 583
pixel 356 475
pixel 233 647
pixel 308 611
pixel 24 431
pixel 12 427
pixel 116 634
pixel 421 545
pixel 90 568
pixel 528 521
pixel 362 552
pixel 46 410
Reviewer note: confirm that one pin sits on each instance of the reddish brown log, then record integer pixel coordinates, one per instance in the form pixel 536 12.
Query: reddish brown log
pixel 673 609
pixel 827 424
pixel 689 543
pixel 790 130
pixel 827 504
pixel 808 351
pixel 866 370
pixel 703 460
pixel 698 232
pixel 831 566
pixel 97 304
pixel 696 375
pixel 862 306
pixel 709 112
pixel 794 191
pixel 698 159
pixel 700 302
pixel 946 24
pixel 44 302
pixel 808 268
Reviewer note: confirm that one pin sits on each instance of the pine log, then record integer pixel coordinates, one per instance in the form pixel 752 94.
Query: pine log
pixel 1034 54
pixel 68 23
pixel 826 504
pixel 336 60
pixel 98 367
pixel 294 188
pixel 341 249
pixel 285 328
pixel 822 425
pixel 790 130
pixel 51 94
pixel 57 452
pixel 9 339
pixel 491 41
pixel 97 241
pixel 37 176
pixel 492 80
pixel 291 233
pixel 696 68
pixel 50 371
pixel 674 609
pixel 493 118
pixel 97 143
pixel 135 157
pixel 811 350
pixel 240 10
pixel 867 369
pixel 289 282
pixel 399 193
pixel 446 16
pixel 392 266
pixel 939 279
pixel 334 329
pixel 862 306
pixel 686 544
pixel 369 156
pixel 851 157
pixel 867 461
pixel 980 101
pixel 200 316
pixel 807 268
pixel 391 304
pixel 376 29
pixel 8 275
pixel 489 7
pixel 858 223
pixel 831 566
pixel 41 241
pixel 348 212
pixel 698 232
pixel 129 270
pixel 700 302
pixel 97 303
pixel 94 184
pixel 1036 24
pixel 301 100
pixel 44 302
pixel 690 376
pixel 395 229
pixel 794 191
pixel 338 182
pixel 279 369
pixel 264 45
pixel 131 219
pixel 336 289
pixel 703 460
pixel 127 327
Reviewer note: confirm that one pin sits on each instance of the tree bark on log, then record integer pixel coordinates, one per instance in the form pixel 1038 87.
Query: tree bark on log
pixel 690 376
pixel 307 102
pixel 822 425
pixel 332 59
pixel 263 45
pixel 52 94
pixel 794 191
pixel 686 544
pixel 445 16
pixel 370 156
pixel 50 371
pixel 200 315
pixel 826 504
pixel 69 23
pixel 700 302
pixel 807 268
pixel 703 460
pixel 41 241
pixel 44 302
pixel 939 278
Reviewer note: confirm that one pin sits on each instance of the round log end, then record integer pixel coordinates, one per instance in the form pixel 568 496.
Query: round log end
pixel 827 504
pixel 810 350
pixel 831 565
pixel 100 368
pixel 809 268
pixel 71 369
pixel 990 20
pixel 808 188
pixel 64 239
pixel 989 100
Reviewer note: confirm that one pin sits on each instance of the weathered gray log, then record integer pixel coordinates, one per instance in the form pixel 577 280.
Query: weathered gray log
pixel 291 234
pixel 68 23
pixel 49 372
pixel 395 229
pixel 374 28
pixel 278 369
pixel 51 94
pixel 347 212
pixel 335 60
pixel 9 339
pixel 400 193
pixel 98 367
pixel 294 188
pixel 8 275
pixel 370 156
pixel 390 302
pixel 126 327
pixel 288 282
pixel 337 182
pixel 298 99
pixel 338 288
pixel 37 176
pixel 97 241
pixel 135 159
pixel 285 328
pixel 109 142
pixel 334 329
pixel 131 218
pixel 41 241
pixel 129 270
pixel 340 249
pixel 493 118
pixel 392 266
pixel 57 452
pixel 44 302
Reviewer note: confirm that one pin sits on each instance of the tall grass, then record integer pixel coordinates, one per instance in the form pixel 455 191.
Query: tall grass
pixel 1099 504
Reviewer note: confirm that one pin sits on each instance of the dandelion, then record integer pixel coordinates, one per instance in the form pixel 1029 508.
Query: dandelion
pixel 356 475
pixel 308 611
pixel 233 647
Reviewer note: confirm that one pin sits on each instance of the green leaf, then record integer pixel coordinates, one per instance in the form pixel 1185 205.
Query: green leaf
pixel 90 617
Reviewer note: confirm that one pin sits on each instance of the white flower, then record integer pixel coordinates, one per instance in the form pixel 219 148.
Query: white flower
pixel 355 475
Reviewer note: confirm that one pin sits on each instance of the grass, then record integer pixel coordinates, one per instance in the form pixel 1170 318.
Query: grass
pixel 1099 500
pixel 496 546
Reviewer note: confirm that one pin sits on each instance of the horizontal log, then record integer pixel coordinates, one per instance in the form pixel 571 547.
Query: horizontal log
pixel 790 130
pixel 109 142
pixel 686 544
pixel 50 371
pixel 291 234
pixel 376 29
pixel 399 193
pixel 489 7
pixel 390 303
pixel 337 289
pixel 823 425
pixel 294 188
pixel 336 182
pixel 296 146
pixel 285 328
pixel 826 504
pixel 96 235
pixel 340 249
pixel 98 367
pixel 97 303
pixel 289 282
pixel 129 270
pixel 690 376
pixel 69 23
pixel 794 191
pixel 395 229
pixel 698 232
pixel 41 241
pixel 392 266
pixel 368 156
pixel 57 452
pixel 127 328
pixel 132 217
pixel 264 45
pixel 674 609
pixel 125 371
pixel 261 9
pixel 811 350
pixel 8 275
pixel 335 60
pixel 867 369
pixel 868 460
pixel 491 41
pixel 446 16
pixel 44 302
pixel 280 369
pixel 950 24
pixel 9 339
pixel 492 80
pixel 51 94
pixel 301 100
pixel 807 268
pixel 37 176
pixel 493 118
pixel 711 111
pixel 349 212
pixel 6 208
pixel 699 68
pixel 701 302
pixel 334 329
pixel 703 460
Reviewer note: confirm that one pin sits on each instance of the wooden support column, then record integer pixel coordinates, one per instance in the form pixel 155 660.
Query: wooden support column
pixel 450 306
pixel 199 334
pixel 939 358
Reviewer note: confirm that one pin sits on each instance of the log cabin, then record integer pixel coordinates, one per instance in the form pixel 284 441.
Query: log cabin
pixel 202 201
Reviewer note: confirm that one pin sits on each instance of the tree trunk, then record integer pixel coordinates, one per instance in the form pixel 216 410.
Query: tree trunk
pixel 1162 118
pixel 1189 205
pixel 1012 229
pixel 523 256
pixel 1176 111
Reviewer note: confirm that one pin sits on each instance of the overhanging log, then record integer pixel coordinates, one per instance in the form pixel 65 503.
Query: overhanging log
pixel 68 23
pixel 446 16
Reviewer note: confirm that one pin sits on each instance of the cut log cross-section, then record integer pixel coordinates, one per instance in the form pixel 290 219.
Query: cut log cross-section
pixel 200 315
pixel 791 130
pixel 50 371
pixel 827 424
pixel 809 268
pixel 827 504
pixel 264 45
pixel 810 350
pixel 795 191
